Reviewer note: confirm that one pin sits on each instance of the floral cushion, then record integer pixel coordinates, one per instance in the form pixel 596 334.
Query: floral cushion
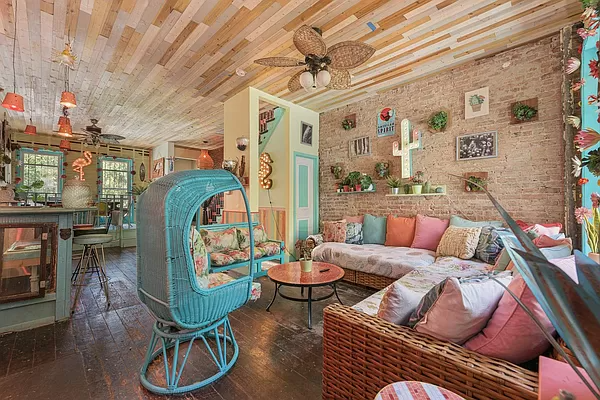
pixel 269 248
pixel 334 231
pixel 354 233
pixel 220 278
pixel 260 236
pixel 217 241
pixel 244 255
pixel 200 257
pixel 221 259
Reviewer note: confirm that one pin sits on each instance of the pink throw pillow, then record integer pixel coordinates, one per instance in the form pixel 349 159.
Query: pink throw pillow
pixel 429 232
pixel 544 241
pixel 357 219
pixel 334 231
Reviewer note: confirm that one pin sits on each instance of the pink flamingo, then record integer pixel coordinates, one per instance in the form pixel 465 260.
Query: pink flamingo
pixel 79 163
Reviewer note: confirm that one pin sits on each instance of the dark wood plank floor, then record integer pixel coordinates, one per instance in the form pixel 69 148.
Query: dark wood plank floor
pixel 98 353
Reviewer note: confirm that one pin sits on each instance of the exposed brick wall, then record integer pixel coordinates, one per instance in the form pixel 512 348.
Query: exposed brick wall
pixel 217 156
pixel 526 177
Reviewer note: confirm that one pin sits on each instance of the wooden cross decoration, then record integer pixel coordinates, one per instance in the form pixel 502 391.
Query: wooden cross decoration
pixel 410 139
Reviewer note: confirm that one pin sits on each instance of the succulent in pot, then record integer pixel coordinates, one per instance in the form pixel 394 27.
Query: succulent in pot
pixel 394 184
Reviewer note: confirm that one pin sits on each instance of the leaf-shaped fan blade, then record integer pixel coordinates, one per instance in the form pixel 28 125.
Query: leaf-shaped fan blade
pixel 340 79
pixel 349 54
pixel 294 83
pixel 108 136
pixel 279 62
pixel 308 41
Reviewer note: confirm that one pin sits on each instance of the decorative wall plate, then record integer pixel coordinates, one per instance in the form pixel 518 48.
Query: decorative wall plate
pixel 142 172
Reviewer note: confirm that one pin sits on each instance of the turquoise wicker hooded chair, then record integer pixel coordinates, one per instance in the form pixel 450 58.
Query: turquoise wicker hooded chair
pixel 185 309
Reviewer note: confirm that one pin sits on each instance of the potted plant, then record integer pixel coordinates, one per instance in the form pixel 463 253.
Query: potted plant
pixel 346 184
pixel 417 182
pixel 347 124
pixel 438 121
pixel 523 112
pixel 476 101
pixel 355 177
pixel 336 170
pixel 138 190
pixel 382 169
pixel 473 181
pixel 24 189
pixel 394 184
pixel 366 182
pixel 583 216
pixel 306 260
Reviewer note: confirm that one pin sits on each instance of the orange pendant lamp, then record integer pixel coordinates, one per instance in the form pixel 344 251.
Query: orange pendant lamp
pixel 65 131
pixel 30 129
pixel 67 99
pixel 65 145
pixel 204 160
pixel 14 101
pixel 63 120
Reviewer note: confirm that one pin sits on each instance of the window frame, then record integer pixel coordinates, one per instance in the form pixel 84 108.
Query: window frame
pixel 59 167
pixel 101 186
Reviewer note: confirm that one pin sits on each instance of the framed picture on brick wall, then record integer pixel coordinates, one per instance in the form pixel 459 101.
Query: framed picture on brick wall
pixel 477 146
pixel 360 146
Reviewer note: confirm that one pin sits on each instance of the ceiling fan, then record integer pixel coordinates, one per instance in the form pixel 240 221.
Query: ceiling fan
pixel 323 67
pixel 92 135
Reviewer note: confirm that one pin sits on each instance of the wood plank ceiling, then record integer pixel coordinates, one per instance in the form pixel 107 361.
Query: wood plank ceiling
pixel 154 70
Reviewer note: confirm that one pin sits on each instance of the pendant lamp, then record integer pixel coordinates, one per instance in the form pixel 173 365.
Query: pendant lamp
pixel 65 145
pixel 14 101
pixel 65 130
pixel 30 129
pixel 63 120
pixel 67 99
pixel 204 160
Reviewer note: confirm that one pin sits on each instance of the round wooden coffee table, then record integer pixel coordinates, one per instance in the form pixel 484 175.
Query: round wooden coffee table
pixel 290 274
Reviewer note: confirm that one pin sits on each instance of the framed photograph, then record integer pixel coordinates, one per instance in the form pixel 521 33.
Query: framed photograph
pixel 477 103
pixel 158 168
pixel 476 146
pixel 360 146
pixel 306 130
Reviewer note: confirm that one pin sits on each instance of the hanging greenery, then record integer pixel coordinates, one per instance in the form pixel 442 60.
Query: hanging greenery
pixel 438 121
pixel 347 124
pixel 523 112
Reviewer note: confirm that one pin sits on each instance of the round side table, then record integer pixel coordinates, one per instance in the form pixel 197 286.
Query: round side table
pixel 412 390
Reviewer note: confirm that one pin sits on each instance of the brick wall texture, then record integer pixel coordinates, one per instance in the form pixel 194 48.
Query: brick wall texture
pixel 526 177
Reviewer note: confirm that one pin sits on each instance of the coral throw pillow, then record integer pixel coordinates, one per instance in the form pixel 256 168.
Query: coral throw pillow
pixel 400 231
pixel 334 231
pixel 511 334
pixel 429 232
pixel 359 219
pixel 459 242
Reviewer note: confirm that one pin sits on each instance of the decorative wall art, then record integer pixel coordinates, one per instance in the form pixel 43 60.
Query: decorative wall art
pixel 349 122
pixel 410 139
pixel 265 171
pixel 477 103
pixel 142 172
pixel 158 168
pixel 306 130
pixel 478 145
pixel 386 122
pixel 360 146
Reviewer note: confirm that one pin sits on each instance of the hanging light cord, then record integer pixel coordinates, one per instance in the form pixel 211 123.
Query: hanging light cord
pixel 15 49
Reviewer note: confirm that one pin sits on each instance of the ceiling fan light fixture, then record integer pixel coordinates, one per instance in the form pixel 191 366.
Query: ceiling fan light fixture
pixel 13 101
pixel 65 131
pixel 67 99
pixel 323 78
pixel 307 80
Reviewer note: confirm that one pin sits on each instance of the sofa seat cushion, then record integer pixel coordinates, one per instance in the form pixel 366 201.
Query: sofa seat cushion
pixel 391 262
pixel 220 278
pixel 221 259
pixel 244 255
pixel 217 241
pixel 269 248
pixel 422 279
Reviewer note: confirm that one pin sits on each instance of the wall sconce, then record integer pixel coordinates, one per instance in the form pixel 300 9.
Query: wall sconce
pixel 242 143
pixel 265 170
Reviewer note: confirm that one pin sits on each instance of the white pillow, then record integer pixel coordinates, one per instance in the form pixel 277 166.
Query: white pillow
pixel 398 303
pixel 540 230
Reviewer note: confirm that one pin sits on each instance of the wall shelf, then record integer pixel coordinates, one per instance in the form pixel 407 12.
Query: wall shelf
pixel 357 192
pixel 414 195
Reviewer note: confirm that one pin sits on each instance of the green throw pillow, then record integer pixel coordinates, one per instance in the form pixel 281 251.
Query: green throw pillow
pixel 455 220
pixel 374 229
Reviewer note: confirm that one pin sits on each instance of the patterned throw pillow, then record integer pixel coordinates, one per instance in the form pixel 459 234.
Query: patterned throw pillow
pixel 334 231
pixel 354 233
pixel 200 258
pixel 490 243
pixel 260 236
pixel 459 242
pixel 219 241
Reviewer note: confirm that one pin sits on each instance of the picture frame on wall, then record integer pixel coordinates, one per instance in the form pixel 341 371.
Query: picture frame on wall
pixel 477 103
pixel 158 168
pixel 306 132
pixel 360 147
pixel 386 122
pixel 477 146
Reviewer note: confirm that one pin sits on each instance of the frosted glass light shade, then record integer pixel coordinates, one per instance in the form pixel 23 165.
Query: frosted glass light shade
pixel 307 80
pixel 323 78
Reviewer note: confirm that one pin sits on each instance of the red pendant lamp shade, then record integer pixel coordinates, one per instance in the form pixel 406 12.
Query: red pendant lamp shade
pixel 204 160
pixel 67 99
pixel 65 145
pixel 65 130
pixel 64 121
pixel 30 129
pixel 14 102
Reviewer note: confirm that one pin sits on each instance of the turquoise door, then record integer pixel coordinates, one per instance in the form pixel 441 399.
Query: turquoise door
pixel 306 184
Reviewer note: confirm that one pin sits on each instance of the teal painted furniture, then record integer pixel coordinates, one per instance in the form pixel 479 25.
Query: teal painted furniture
pixel 257 264
pixel 167 283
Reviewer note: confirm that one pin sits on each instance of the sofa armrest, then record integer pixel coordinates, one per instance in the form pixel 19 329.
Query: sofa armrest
pixel 362 354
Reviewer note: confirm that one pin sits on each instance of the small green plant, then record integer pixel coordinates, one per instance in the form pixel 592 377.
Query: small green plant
pixel 138 189
pixel 365 181
pixel 382 169
pixel 336 170
pixel 347 124
pixel 438 121
pixel 417 178
pixel 354 178
pixel 476 99
pixel 523 112
pixel 473 181
pixel 22 188
pixel 393 182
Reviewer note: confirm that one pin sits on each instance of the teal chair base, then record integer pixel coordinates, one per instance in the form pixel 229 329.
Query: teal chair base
pixel 168 337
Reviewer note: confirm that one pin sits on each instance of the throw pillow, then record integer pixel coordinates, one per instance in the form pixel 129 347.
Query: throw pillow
pixel 511 334
pixel 334 231
pixel 455 220
pixel 398 303
pixel 400 231
pixel 459 242
pixel 428 232
pixel 505 263
pixel 457 309
pixel 218 241
pixel 200 258
pixel 260 236
pixel 524 225
pixel 490 243
pixel 359 218
pixel 374 229
pixel 354 233
pixel 538 230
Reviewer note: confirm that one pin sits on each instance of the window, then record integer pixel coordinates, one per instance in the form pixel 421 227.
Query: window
pixel 41 166
pixel 116 177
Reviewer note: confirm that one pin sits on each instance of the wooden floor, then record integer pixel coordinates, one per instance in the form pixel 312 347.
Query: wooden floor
pixel 98 353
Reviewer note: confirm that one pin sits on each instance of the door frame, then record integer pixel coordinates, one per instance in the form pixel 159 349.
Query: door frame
pixel 315 191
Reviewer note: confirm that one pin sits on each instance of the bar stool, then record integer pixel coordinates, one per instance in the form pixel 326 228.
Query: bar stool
pixel 90 262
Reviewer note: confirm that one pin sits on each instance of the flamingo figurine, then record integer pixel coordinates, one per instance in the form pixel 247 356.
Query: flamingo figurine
pixel 79 163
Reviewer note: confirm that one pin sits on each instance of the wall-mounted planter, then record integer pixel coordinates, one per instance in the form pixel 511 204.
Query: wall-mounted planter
pixel 480 178
pixel 529 103
pixel 434 118
pixel 349 122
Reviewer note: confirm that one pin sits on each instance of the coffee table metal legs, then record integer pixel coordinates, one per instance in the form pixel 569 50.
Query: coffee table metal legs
pixel 336 294
pixel 274 296
pixel 310 307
